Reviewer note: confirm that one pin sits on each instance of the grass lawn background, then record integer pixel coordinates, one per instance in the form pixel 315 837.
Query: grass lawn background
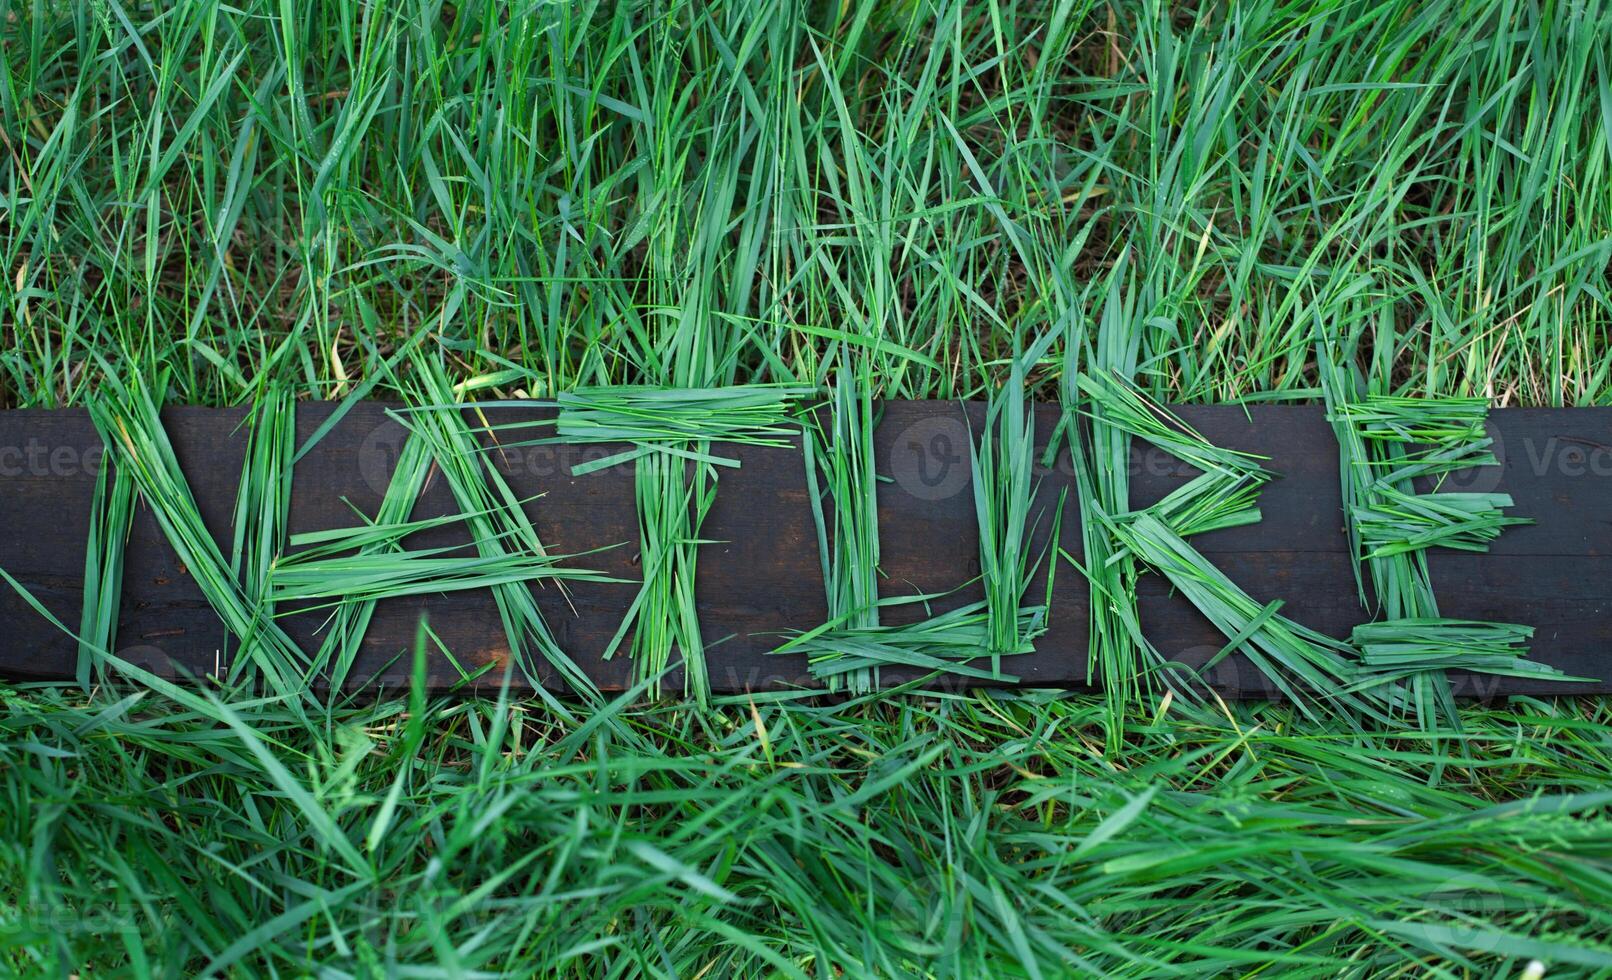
pixel 551 195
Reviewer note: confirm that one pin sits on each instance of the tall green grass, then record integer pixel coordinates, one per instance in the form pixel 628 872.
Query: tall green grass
pixel 430 201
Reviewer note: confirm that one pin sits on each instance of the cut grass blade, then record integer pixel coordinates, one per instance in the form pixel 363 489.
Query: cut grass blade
pixel 664 619
pixel 1119 658
pixel 703 195
pixel 1398 522
pixel 756 414
pixel 647 416
pixel 388 575
pixel 345 632
pixel 850 650
pixel 1408 645
pixel 945 644
pixel 263 498
pixel 1224 495
pixel 111 517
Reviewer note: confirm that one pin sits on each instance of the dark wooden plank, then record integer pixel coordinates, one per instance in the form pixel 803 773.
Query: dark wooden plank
pixel 761 577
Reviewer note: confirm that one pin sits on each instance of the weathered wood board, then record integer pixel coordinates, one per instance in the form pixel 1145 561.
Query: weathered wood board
pixel 763 579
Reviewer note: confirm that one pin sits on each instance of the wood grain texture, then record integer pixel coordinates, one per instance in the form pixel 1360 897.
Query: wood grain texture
pixel 760 577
